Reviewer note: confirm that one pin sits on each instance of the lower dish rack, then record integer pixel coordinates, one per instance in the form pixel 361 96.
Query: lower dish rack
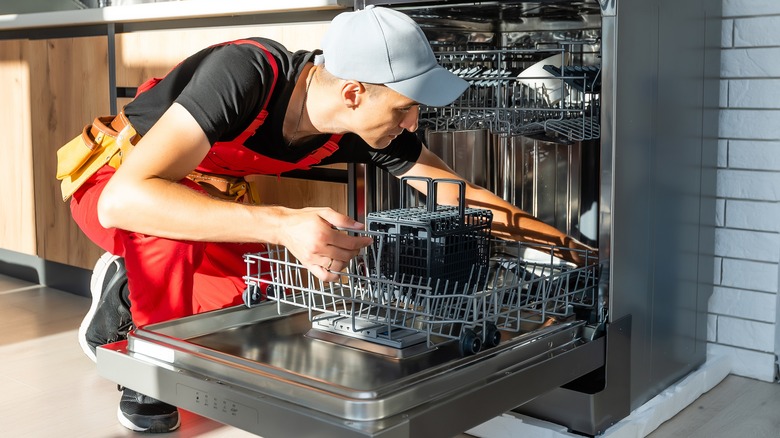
pixel 523 284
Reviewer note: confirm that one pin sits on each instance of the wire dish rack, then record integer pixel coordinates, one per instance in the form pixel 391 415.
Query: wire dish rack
pixel 512 92
pixel 523 284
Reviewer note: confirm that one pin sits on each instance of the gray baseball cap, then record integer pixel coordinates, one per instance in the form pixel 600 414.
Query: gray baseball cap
pixel 383 46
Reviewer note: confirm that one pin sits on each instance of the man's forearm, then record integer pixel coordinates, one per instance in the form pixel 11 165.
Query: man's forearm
pixel 171 210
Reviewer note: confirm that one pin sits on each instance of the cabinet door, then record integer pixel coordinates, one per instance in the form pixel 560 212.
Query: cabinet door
pixel 45 91
pixel 17 214
pixel 68 89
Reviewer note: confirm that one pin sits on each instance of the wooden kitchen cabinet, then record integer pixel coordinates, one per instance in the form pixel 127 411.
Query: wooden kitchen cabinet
pixel 71 77
pixel 51 88
pixel 17 215
pixel 144 54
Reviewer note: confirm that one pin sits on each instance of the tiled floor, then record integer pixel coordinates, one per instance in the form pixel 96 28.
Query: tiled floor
pixel 51 389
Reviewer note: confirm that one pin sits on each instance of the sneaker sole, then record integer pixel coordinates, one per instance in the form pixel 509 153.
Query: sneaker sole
pixel 155 428
pixel 96 289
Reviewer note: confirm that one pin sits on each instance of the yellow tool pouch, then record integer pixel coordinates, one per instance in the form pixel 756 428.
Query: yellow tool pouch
pixel 228 188
pixel 97 145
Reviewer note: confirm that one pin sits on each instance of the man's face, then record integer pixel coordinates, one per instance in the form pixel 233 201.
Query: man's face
pixel 383 115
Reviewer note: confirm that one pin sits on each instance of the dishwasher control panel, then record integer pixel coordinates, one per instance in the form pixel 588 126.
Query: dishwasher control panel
pixel 216 406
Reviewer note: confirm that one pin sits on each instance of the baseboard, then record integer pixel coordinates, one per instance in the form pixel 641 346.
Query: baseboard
pixel 36 270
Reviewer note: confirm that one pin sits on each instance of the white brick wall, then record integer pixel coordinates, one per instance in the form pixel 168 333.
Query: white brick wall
pixel 743 320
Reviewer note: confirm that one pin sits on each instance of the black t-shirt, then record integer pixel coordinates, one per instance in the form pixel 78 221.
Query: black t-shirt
pixel 224 88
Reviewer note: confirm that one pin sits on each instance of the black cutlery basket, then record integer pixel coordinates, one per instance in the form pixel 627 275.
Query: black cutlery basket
pixel 437 242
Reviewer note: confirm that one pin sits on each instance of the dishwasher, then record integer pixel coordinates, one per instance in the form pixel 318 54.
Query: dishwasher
pixel 591 115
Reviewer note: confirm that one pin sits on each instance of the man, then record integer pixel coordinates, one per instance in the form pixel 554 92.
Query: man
pixel 251 107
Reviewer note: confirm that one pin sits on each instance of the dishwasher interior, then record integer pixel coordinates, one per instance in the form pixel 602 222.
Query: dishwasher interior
pixel 397 345
pixel 528 127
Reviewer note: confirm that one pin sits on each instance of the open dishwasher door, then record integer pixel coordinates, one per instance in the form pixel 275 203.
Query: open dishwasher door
pixel 367 356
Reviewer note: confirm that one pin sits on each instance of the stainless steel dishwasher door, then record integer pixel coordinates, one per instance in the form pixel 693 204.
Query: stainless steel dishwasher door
pixel 258 370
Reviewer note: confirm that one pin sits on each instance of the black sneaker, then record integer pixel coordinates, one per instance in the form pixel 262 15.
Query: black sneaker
pixel 141 413
pixel 108 319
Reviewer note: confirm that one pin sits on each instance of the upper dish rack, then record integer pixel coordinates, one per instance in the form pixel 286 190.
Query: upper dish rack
pixel 512 92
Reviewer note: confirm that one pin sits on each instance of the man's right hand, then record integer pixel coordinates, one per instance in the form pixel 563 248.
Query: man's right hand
pixel 310 234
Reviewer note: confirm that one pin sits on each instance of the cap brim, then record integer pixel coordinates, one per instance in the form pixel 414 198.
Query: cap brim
pixel 436 87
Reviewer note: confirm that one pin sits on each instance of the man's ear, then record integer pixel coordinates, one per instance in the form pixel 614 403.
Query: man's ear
pixel 352 93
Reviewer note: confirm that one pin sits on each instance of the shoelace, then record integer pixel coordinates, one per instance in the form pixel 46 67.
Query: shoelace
pixel 122 331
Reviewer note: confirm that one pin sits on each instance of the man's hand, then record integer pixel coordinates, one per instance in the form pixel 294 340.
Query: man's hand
pixel 309 234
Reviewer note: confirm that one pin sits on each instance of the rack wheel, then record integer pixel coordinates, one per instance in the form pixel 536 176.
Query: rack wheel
pixel 492 335
pixel 470 343
pixel 251 295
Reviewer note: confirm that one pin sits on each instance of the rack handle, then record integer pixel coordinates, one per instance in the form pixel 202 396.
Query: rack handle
pixel 432 184
pixel 461 194
pixel 405 182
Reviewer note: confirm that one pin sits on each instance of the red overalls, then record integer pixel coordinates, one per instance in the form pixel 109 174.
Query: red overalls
pixel 170 278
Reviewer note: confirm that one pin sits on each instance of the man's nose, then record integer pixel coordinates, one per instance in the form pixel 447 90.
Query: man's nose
pixel 410 121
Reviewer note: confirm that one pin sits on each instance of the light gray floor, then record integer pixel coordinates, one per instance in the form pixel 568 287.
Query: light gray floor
pixel 737 407
pixel 50 388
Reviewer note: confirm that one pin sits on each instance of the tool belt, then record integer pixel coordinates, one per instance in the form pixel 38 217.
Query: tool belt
pixel 228 188
pixel 108 140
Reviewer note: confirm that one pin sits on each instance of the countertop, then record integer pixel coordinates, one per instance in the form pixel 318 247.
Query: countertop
pixel 172 10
